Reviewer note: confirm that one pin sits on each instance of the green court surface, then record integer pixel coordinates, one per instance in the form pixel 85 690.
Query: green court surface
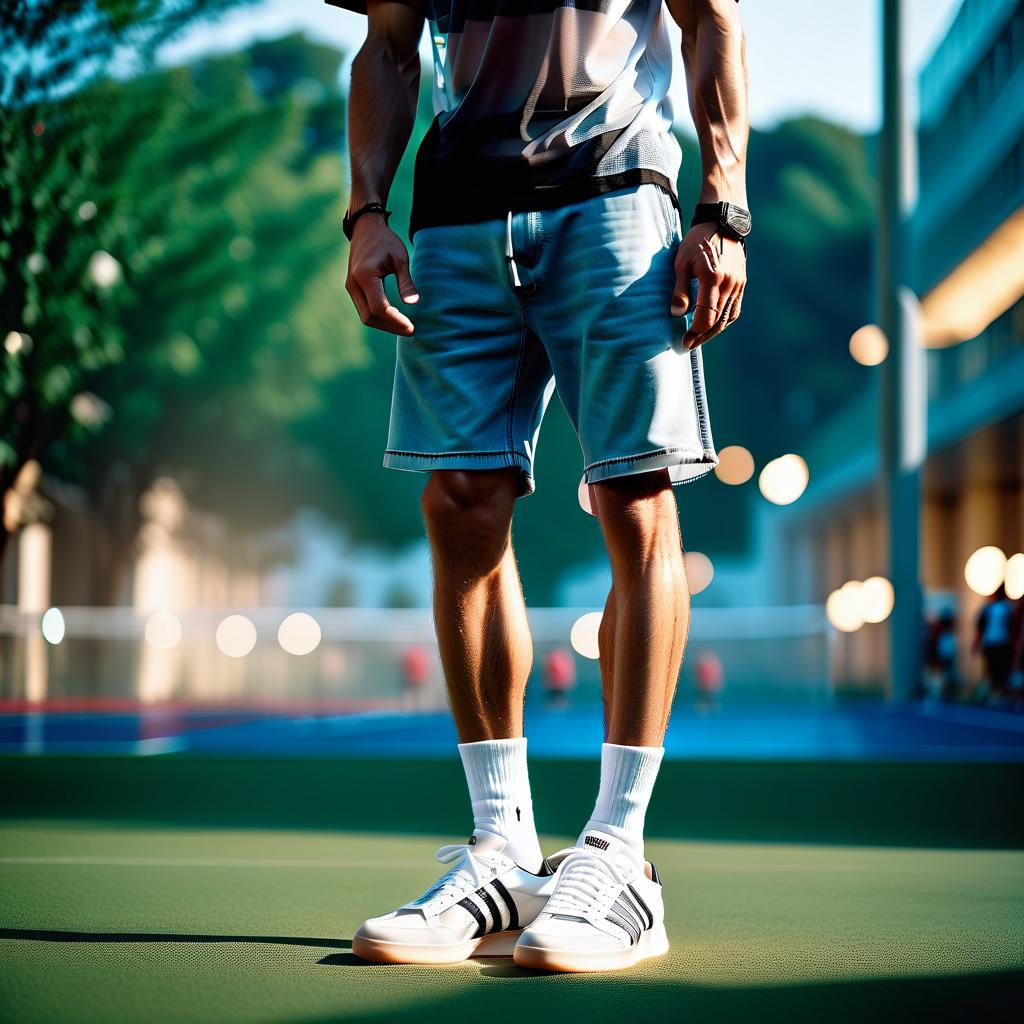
pixel 227 890
pixel 110 923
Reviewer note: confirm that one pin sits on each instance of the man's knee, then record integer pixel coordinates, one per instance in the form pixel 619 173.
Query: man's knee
pixel 638 507
pixel 475 506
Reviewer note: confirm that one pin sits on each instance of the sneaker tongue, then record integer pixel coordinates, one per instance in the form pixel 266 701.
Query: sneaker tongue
pixel 610 846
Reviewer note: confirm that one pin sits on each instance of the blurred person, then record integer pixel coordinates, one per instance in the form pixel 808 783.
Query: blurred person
pixel 548 252
pixel 559 677
pixel 994 641
pixel 940 656
pixel 415 672
pixel 1016 681
pixel 710 679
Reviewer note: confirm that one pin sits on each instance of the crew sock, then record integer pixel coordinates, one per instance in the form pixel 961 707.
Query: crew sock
pixel 627 781
pixel 499 788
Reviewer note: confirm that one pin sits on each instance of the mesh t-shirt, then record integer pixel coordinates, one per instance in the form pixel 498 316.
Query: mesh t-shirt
pixel 539 103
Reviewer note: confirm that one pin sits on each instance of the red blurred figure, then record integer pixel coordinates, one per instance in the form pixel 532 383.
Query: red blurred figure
pixel 559 677
pixel 710 680
pixel 415 666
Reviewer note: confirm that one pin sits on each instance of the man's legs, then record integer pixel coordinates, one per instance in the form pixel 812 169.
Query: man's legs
pixel 607 910
pixel 485 644
pixel 641 639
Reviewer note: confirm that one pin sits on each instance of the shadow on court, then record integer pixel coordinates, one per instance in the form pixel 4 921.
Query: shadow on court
pixel 56 935
pixel 533 996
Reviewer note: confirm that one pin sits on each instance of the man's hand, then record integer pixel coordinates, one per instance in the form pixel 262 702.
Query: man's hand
pixel 376 252
pixel 720 266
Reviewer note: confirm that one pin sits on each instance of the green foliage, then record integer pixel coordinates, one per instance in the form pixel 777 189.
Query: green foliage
pixel 62 138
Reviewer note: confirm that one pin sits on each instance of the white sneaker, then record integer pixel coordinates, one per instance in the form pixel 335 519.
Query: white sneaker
pixel 479 907
pixel 606 912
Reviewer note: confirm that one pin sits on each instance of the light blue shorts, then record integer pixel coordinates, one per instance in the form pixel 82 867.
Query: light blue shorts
pixel 574 299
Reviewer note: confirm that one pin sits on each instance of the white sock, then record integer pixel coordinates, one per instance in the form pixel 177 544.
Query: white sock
pixel 499 788
pixel 627 781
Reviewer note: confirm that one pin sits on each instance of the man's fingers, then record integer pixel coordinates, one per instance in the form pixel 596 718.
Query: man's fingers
pixel 708 308
pixel 383 315
pixel 738 307
pixel 358 298
pixel 727 315
pixel 406 288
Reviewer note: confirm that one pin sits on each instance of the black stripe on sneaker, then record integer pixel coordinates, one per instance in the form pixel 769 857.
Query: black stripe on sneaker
pixel 629 928
pixel 638 915
pixel 492 908
pixel 643 906
pixel 510 904
pixel 624 910
pixel 481 921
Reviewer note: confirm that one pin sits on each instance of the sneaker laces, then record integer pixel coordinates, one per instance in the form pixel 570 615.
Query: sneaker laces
pixel 582 879
pixel 463 878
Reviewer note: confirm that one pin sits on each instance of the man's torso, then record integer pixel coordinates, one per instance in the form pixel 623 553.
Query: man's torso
pixel 542 103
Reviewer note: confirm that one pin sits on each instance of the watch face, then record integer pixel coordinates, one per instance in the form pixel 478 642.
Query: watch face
pixel 738 220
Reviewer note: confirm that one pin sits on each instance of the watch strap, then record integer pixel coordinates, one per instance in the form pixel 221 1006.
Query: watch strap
pixel 719 213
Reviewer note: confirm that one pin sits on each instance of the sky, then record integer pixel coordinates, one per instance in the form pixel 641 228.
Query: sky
pixel 805 56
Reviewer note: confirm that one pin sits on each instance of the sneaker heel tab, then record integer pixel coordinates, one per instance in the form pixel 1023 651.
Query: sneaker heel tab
pixel 652 872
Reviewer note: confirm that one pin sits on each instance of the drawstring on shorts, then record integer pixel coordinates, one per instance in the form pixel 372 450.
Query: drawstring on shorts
pixel 509 256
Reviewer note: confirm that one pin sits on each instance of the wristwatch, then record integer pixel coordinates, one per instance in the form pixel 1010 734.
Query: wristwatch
pixel 732 220
pixel 348 222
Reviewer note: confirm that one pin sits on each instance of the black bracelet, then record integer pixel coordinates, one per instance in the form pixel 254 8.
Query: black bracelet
pixel 349 220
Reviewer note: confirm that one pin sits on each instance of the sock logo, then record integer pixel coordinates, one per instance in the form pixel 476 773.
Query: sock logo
pixel 519 816
pixel 472 841
pixel 601 844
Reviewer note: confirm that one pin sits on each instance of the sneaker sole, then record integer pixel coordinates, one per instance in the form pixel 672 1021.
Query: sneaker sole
pixel 380 951
pixel 572 961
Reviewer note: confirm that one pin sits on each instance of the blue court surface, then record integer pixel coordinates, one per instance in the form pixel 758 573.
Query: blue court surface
pixel 871 732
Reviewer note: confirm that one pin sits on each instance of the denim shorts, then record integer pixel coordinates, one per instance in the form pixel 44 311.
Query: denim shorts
pixel 574 299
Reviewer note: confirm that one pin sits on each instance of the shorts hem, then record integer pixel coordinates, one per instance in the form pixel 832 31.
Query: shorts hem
pixel 684 465
pixel 424 462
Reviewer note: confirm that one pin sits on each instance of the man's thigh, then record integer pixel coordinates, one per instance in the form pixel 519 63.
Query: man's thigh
pixel 470 380
pixel 602 310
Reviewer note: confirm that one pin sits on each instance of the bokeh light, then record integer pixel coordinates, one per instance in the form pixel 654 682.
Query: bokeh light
pixel 299 633
pixel 163 630
pixel 699 571
pixel 735 465
pixel 87 210
pixel 868 345
pixel 104 270
pixel 90 410
pixel 985 570
pixel 584 635
pixel 17 343
pixel 844 607
pixel 1014 577
pixel 583 496
pixel 784 479
pixel 877 598
pixel 236 636
pixel 52 625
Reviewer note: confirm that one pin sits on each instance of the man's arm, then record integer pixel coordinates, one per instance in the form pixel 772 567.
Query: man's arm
pixel 714 55
pixel 382 111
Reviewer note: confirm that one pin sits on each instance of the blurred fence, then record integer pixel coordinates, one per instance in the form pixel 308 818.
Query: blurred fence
pixel 361 658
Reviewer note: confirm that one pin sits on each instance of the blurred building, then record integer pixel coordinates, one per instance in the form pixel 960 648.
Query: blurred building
pixel 968 231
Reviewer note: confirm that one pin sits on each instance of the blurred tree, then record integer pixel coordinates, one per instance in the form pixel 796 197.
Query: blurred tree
pixel 229 312
pixel 60 285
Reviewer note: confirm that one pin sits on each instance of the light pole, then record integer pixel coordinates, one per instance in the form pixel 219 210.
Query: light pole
pixel 904 396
